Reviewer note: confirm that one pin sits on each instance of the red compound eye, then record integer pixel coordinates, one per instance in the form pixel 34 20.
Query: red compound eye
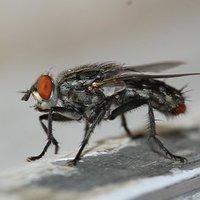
pixel 180 108
pixel 45 86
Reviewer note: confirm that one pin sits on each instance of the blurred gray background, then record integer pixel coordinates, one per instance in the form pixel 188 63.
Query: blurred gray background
pixel 37 34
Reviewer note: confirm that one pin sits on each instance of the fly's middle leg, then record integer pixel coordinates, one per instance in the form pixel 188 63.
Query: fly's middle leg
pixel 128 131
pixel 87 125
pixel 89 128
pixel 124 124
pixel 152 136
pixel 120 111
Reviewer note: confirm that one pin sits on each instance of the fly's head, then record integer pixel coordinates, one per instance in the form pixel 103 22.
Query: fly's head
pixel 44 92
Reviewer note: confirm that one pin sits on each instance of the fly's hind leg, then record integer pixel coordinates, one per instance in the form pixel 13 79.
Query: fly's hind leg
pixel 152 136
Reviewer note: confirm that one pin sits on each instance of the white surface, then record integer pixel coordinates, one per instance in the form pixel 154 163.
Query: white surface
pixel 36 35
pixel 17 183
pixel 147 185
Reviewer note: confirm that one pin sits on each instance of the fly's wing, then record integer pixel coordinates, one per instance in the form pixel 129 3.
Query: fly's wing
pixel 91 71
pixel 110 69
pixel 129 77
pixel 113 76
pixel 154 67
pixel 154 76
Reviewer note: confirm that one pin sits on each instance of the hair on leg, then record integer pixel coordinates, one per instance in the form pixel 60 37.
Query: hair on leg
pixel 152 136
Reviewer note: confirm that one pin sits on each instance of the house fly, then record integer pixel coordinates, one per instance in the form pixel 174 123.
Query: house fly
pixel 104 91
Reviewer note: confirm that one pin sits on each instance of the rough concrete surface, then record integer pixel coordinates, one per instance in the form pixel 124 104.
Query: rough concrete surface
pixel 115 168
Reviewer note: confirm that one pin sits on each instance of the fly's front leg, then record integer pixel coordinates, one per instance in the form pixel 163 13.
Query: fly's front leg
pixel 152 136
pixel 55 117
pixel 50 138
pixel 49 134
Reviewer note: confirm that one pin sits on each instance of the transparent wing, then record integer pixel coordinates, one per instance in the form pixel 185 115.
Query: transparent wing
pixel 126 77
pixel 155 76
pixel 154 67
pixel 109 69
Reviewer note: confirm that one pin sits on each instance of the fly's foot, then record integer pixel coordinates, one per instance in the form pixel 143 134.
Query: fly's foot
pixel 32 158
pixel 72 163
pixel 167 152
pixel 178 158
pixel 175 157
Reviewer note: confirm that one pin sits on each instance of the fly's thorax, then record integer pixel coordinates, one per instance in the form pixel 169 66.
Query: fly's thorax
pixel 74 93
pixel 45 93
